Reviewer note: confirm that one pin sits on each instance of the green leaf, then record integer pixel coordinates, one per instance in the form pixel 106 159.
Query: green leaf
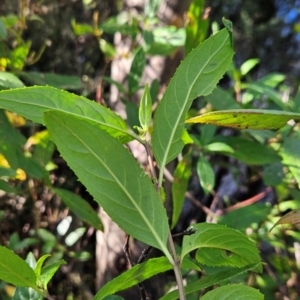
pixel 196 27
pixel 248 65
pixel 107 48
pixel 244 217
pixel 247 118
pixel 34 101
pixel 132 112
pixel 39 264
pixel 80 207
pixel 48 272
pixel 120 23
pixel 136 71
pixel 145 110
pixel 7 172
pixel 197 75
pixel 233 292
pixel 221 99
pixel 206 174
pixel 4 186
pixel 151 8
pixel 9 81
pixel 273 174
pixel 182 175
pixel 135 275
pixel 3 30
pixel 164 40
pixel 247 151
pixel 52 79
pixel 207 133
pixel 81 28
pixel 113 297
pixel 290 154
pixel 211 280
pixel 112 176
pixel 15 270
pixel 220 246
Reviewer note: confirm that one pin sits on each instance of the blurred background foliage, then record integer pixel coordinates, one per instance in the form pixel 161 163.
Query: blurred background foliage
pixel 69 45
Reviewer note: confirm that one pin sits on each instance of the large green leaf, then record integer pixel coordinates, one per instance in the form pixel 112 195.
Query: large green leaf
pixel 137 274
pixel 112 176
pixel 210 280
pixel 15 270
pixel 233 292
pixel 197 75
pixel 34 101
pixel 247 118
pixel 219 245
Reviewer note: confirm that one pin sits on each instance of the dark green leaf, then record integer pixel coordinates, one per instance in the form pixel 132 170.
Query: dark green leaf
pixel 211 280
pixel 112 176
pixel 182 175
pixel 221 99
pixel 197 75
pixel 48 272
pixel 136 70
pixel 247 151
pixel 55 80
pixel 290 154
pixel 34 101
pixel 3 31
pixel 80 207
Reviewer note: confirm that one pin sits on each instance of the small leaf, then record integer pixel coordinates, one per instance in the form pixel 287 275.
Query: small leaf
pixel 145 110
pixel 290 154
pixel 136 274
pixel 3 30
pixel 39 264
pixel 210 280
pixel 220 246
pixel 107 48
pixel 112 176
pixel 293 217
pixel 49 271
pixel 9 81
pixel 15 270
pixel 247 118
pixel 206 174
pixel 233 292
pixel 182 175
pixel 80 207
pixel 197 75
pixel 34 101
pixel 248 65
pixel 136 71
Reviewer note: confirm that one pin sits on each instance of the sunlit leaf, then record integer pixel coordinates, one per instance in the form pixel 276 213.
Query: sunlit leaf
pixel 206 174
pixel 247 118
pixel 145 109
pixel 9 81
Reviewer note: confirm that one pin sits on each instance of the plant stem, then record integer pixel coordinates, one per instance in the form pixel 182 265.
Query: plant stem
pixel 176 267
